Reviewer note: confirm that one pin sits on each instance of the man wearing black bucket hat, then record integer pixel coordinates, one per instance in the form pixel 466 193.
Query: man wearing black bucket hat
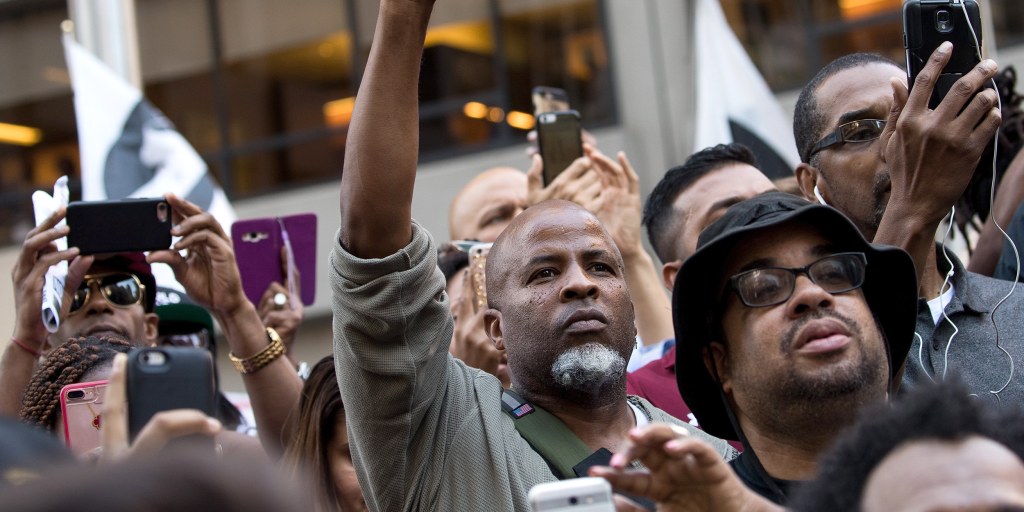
pixel 787 324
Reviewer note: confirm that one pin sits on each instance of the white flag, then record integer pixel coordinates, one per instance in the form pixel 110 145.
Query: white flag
pixel 129 148
pixel 734 104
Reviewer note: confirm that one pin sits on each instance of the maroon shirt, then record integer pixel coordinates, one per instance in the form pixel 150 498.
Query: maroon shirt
pixel 656 381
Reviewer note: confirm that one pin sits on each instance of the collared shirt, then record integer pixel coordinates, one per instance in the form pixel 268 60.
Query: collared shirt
pixel 656 381
pixel 970 349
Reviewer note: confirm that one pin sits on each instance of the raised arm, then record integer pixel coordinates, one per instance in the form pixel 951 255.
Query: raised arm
pixel 210 276
pixel 383 142
pixel 38 254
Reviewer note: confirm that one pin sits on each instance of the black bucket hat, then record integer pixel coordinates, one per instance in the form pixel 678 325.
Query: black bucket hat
pixel 890 288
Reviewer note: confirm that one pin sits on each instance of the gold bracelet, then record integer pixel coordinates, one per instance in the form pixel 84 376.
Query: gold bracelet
pixel 266 356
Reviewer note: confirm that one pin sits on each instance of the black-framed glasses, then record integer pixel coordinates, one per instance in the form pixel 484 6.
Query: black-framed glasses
pixel 121 289
pixel 768 286
pixel 861 130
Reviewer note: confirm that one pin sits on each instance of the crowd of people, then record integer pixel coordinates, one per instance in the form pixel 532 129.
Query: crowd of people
pixel 808 348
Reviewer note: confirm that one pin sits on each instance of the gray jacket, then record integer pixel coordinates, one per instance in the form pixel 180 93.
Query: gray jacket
pixel 426 431
pixel 973 352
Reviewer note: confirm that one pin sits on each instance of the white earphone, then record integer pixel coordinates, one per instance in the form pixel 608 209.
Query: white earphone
pixel 817 194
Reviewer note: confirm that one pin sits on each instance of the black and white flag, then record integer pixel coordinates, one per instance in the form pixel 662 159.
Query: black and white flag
pixel 734 104
pixel 128 147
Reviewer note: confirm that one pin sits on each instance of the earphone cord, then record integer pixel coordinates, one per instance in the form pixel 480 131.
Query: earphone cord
pixel 992 196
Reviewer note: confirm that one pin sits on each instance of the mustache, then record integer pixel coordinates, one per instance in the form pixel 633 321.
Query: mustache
pixel 789 338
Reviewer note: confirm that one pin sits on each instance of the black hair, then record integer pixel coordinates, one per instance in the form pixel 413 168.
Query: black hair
pixel 941 412
pixel 658 216
pixel 808 120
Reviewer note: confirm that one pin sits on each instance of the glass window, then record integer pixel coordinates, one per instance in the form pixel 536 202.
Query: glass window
pixel 790 40
pixel 264 89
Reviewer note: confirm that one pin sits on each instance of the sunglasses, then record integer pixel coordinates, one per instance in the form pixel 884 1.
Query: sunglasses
pixel 768 286
pixel 120 289
pixel 863 130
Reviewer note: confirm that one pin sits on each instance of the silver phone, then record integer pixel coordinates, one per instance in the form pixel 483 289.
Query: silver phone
pixel 574 495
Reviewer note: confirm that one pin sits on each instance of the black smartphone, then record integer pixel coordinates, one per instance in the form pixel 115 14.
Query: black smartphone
pixel 120 225
pixel 165 378
pixel 927 24
pixel 549 99
pixel 559 141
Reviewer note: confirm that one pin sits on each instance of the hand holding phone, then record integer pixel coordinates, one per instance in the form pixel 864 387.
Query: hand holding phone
pixel 559 140
pixel 261 251
pixel 167 378
pixel 154 435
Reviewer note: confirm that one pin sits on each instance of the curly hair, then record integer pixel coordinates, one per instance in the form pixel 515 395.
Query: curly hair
pixel 940 412
pixel 65 365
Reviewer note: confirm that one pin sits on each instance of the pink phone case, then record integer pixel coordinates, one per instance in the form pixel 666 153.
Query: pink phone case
pixel 83 420
pixel 258 244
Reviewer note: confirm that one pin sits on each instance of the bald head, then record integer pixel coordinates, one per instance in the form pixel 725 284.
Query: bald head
pixel 548 220
pixel 482 208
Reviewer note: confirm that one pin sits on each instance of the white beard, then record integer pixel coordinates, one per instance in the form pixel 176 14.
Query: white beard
pixel 584 367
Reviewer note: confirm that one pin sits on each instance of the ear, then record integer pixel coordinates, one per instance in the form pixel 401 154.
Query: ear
pixel 492 325
pixel 669 272
pixel 151 321
pixel 717 355
pixel 807 177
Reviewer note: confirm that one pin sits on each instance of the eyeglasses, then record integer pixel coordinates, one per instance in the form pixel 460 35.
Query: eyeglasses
pixel 862 130
pixel 121 289
pixel 768 286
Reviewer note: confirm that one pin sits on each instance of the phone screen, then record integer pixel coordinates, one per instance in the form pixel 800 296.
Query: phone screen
pixel 926 25
pixel 549 99
pixel 559 138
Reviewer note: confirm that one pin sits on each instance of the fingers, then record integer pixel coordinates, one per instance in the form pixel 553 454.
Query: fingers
pixel 266 304
pixel 900 95
pixel 579 167
pixel 983 117
pixel 114 434
pixel 77 270
pixel 924 84
pixel 168 425
pixel 636 482
pixel 37 241
pixel 632 178
pixel 643 440
pixel 466 307
pixel 534 176
pixel 610 172
pixel 966 87
pixel 202 221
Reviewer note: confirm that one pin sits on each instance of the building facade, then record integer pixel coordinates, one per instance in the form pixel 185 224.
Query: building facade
pixel 264 90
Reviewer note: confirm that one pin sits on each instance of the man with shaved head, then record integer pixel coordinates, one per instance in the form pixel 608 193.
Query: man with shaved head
pixel 426 431
pixel 482 208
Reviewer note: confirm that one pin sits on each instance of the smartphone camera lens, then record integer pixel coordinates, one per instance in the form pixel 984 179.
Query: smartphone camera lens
pixel 76 394
pixel 574 500
pixel 943 21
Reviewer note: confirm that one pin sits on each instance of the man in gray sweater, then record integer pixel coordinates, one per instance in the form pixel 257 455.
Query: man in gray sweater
pixel 426 431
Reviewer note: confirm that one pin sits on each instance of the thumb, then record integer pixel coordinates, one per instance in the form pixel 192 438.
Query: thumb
pixel 534 179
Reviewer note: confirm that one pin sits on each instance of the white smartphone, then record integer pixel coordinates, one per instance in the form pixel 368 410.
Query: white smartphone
pixel 574 495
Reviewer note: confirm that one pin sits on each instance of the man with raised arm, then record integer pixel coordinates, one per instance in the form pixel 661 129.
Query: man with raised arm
pixel 426 431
